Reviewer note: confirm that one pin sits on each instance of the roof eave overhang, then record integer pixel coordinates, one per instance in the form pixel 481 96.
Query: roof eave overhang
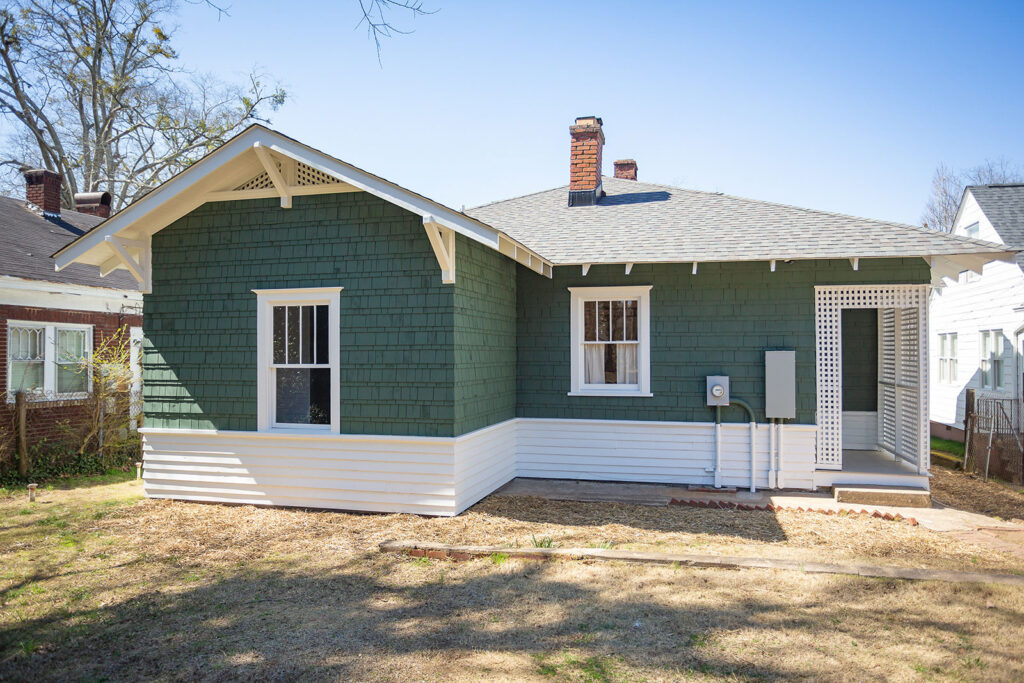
pixel 205 180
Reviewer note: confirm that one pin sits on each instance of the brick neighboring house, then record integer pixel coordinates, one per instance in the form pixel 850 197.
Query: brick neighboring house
pixel 45 312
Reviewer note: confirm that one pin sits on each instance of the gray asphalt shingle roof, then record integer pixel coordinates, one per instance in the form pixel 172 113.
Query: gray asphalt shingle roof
pixel 1004 207
pixel 643 222
pixel 28 239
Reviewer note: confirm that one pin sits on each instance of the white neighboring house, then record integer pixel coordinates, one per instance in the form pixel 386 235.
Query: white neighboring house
pixel 977 335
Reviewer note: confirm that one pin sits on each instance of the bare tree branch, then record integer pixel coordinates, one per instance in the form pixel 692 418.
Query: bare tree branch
pixel 378 24
pixel 948 188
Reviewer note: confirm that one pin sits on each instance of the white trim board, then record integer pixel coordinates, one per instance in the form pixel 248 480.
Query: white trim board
pixel 16 291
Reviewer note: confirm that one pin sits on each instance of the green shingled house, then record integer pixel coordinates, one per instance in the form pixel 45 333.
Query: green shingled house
pixel 318 336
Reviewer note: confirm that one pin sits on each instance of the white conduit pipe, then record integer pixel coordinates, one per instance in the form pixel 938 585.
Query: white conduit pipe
pixel 771 454
pixel 778 472
pixel 753 457
pixel 718 455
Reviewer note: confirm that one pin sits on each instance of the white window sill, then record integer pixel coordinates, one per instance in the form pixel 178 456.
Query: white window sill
pixel 616 394
pixel 46 398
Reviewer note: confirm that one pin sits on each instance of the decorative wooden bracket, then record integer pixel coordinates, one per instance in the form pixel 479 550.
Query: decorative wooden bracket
pixel 275 175
pixel 139 266
pixel 442 240
pixel 584 269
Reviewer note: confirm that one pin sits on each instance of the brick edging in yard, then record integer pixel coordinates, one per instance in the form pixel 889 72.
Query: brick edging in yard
pixel 443 551
pixel 770 507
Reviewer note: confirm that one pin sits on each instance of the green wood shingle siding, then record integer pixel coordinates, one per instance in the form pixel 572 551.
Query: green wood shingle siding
pixel 860 359
pixel 718 322
pixel 397 319
pixel 485 336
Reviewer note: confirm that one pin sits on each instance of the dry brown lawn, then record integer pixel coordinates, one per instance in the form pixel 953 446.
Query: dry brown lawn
pixel 970 492
pixel 96 584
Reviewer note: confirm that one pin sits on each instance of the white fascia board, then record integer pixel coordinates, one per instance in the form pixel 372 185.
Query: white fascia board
pixel 137 211
pixel 17 291
pixel 205 168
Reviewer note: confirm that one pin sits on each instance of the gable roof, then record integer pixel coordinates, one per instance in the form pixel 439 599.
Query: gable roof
pixel 29 238
pixel 1003 205
pixel 643 222
pixel 239 169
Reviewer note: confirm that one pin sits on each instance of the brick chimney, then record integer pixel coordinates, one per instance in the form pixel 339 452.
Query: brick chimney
pixel 93 203
pixel 42 188
pixel 585 161
pixel 625 169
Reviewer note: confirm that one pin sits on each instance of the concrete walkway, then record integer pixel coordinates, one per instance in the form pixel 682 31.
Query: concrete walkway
pixel 936 518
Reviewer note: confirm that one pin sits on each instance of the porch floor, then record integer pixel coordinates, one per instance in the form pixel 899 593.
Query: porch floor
pixel 875 462
pixel 873 468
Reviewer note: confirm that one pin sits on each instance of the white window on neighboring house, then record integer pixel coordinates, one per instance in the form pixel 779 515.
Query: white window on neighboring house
pixel 610 337
pixel 299 359
pixel 48 361
pixel 947 358
pixel 991 359
pixel 972 231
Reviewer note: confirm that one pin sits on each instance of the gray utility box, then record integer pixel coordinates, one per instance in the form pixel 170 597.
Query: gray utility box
pixel 718 390
pixel 780 384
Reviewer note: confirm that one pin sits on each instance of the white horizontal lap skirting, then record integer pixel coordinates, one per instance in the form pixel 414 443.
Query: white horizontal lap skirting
pixel 445 475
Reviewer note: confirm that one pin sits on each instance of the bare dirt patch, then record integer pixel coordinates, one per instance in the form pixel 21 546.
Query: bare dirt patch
pixel 972 493
pixel 103 587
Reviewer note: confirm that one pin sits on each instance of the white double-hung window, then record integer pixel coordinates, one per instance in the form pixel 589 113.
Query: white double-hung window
pixel 610 337
pixel 992 359
pixel 48 361
pixel 947 357
pixel 299 359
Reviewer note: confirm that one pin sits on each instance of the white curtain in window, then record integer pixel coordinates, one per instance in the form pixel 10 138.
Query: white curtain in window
pixel 593 356
pixel 626 366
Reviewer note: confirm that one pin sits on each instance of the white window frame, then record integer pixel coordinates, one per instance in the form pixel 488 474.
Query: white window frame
pixel 49 392
pixel 949 347
pixel 580 295
pixel 266 299
pixel 987 361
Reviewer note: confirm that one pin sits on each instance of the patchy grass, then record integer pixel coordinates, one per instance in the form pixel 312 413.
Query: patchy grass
pixel 167 589
pixel 971 492
pixel 955 448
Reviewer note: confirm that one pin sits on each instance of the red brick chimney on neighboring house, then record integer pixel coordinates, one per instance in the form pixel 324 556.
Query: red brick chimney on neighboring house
pixel 42 188
pixel 625 169
pixel 585 161
pixel 93 203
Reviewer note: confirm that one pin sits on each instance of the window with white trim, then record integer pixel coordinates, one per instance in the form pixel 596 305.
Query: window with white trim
pixel 992 359
pixel 298 351
pixel 610 336
pixel 48 361
pixel 947 357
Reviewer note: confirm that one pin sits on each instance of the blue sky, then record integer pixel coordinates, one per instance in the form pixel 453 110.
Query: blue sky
pixel 838 106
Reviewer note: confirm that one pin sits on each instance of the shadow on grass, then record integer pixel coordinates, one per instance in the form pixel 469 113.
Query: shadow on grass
pixel 358 622
pixel 753 525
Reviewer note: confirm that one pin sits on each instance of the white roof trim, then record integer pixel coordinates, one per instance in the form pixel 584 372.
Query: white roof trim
pixel 134 217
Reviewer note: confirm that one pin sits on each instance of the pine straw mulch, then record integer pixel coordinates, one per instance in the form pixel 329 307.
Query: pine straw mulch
pixel 965 491
pixel 200 533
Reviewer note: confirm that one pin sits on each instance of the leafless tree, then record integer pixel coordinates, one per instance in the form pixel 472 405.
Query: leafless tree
pixel 95 92
pixel 948 187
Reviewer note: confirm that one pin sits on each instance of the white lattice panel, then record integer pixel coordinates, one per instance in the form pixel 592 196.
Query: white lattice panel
pixel 307 175
pixel 829 304
pixel 259 182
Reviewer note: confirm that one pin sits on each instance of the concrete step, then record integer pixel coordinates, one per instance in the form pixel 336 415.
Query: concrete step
pixel 883 495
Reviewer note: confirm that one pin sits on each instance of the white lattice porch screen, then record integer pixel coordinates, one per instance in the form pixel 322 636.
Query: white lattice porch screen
pixel 903 372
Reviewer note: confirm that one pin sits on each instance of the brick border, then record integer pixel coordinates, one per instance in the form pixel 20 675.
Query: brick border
pixel 441 551
pixel 769 507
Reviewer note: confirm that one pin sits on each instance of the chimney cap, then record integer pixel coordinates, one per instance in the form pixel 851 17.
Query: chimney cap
pixel 83 199
pixel 35 175
pixel 589 120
